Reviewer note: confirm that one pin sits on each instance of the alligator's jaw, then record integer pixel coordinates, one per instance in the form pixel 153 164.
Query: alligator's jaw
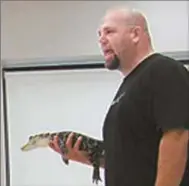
pixel 39 143
pixel 24 148
pixel 28 147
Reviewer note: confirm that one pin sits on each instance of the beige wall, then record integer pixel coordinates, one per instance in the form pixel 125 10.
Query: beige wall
pixel 48 29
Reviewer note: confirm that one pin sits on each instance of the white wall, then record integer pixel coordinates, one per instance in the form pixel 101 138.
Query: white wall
pixel 55 101
pixel 51 29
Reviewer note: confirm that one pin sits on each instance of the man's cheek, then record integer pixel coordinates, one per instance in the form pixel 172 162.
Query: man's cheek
pixel 115 48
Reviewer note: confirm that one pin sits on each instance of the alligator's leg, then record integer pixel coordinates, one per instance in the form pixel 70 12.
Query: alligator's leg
pixel 65 160
pixel 95 160
pixel 64 151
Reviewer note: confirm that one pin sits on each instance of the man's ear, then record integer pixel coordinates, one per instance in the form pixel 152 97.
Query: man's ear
pixel 135 34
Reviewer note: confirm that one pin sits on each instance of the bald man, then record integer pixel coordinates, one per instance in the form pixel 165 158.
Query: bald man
pixel 146 129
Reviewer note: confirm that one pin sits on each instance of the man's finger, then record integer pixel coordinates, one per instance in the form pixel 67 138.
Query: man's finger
pixel 51 145
pixel 77 144
pixel 55 143
pixel 69 141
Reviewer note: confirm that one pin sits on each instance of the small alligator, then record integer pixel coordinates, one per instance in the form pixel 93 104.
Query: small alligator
pixel 91 148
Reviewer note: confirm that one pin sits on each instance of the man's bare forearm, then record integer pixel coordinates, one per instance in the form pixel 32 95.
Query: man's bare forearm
pixel 172 158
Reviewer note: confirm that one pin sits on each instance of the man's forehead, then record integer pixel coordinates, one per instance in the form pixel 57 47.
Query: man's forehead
pixel 111 20
pixel 107 24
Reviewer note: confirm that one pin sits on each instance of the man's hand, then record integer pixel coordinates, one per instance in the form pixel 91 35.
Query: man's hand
pixel 73 152
pixel 173 151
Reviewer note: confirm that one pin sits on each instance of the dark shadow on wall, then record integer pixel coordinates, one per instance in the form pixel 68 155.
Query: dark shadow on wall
pixel 6 132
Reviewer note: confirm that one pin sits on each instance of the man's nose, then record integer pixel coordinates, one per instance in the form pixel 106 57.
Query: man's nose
pixel 102 39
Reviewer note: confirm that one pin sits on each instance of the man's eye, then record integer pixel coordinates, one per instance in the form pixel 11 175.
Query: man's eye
pixel 110 31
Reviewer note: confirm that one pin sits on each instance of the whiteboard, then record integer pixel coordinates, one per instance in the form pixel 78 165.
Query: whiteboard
pixel 45 101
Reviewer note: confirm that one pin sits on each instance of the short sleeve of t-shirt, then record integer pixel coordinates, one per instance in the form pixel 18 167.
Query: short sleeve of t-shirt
pixel 170 82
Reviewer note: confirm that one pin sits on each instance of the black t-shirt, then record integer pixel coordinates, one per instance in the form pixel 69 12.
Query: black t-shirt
pixel 153 98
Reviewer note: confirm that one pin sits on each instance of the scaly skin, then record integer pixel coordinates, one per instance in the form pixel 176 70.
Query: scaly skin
pixel 91 148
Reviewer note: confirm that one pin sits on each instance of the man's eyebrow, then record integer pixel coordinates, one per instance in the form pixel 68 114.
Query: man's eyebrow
pixel 107 27
pixel 104 28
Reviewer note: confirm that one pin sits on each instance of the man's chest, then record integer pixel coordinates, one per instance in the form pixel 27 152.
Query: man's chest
pixel 130 110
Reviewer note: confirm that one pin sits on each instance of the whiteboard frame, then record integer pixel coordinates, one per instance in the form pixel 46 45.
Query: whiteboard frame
pixel 93 60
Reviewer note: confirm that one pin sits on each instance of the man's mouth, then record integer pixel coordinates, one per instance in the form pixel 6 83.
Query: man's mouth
pixel 108 52
pixel 109 55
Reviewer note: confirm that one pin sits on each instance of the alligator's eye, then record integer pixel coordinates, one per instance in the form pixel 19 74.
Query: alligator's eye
pixel 30 137
pixel 40 135
pixel 46 135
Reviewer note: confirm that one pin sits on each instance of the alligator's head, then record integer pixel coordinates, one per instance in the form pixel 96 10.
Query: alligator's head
pixel 37 141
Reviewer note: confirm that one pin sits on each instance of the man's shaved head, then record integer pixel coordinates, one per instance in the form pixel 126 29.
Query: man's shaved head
pixel 131 17
pixel 123 33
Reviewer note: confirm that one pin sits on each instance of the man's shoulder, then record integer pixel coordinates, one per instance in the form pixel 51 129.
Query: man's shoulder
pixel 160 60
pixel 165 70
pixel 161 64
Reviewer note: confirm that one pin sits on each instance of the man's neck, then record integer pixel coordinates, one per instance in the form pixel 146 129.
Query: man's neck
pixel 128 68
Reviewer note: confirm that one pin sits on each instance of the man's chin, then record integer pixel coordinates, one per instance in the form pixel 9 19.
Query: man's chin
pixel 112 65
